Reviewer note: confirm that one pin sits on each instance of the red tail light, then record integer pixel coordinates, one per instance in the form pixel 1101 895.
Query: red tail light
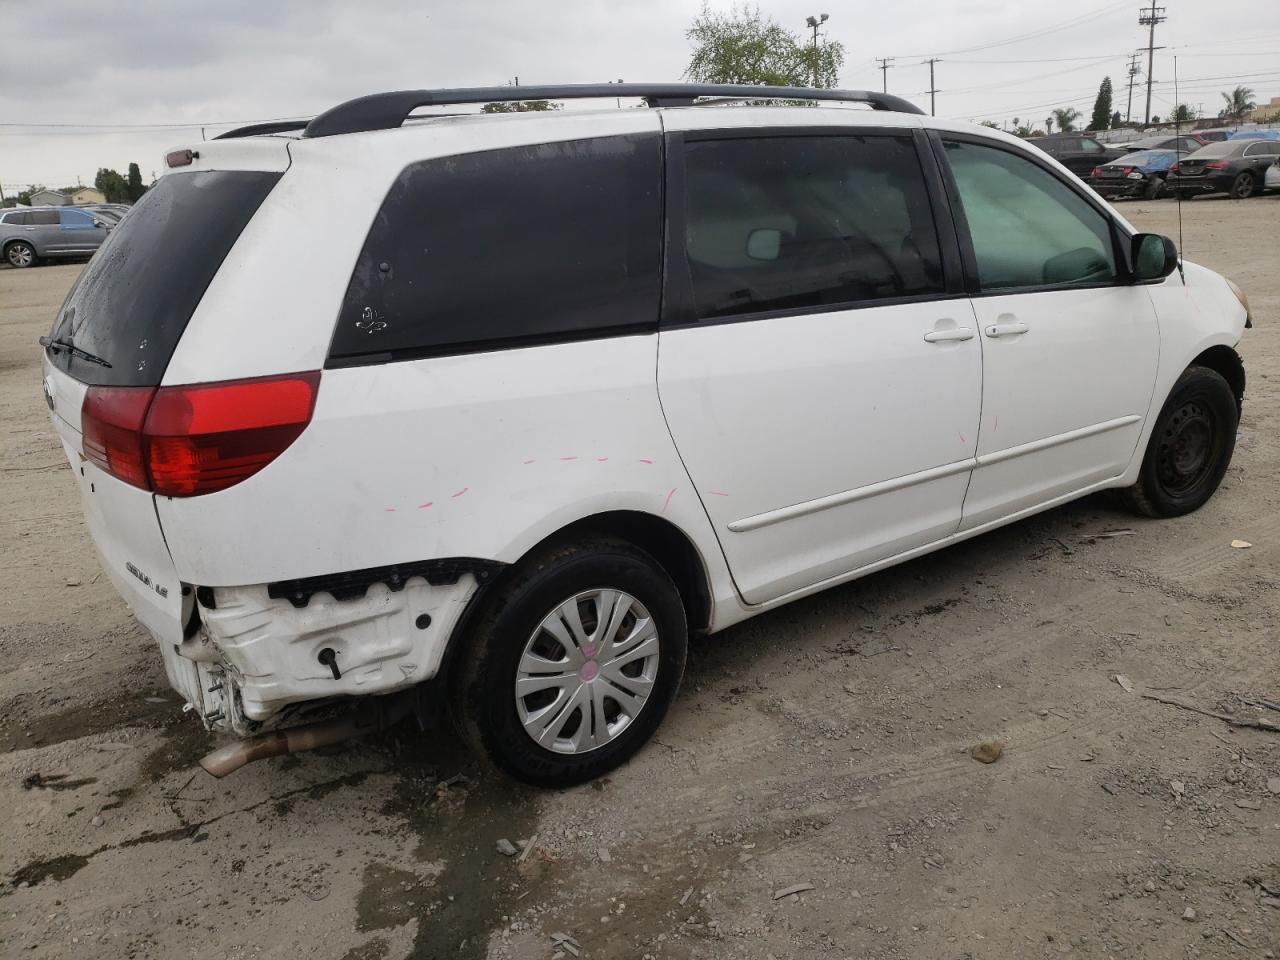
pixel 188 440
pixel 1127 170
pixel 111 427
pixel 1215 165
pixel 1096 172
pixel 1174 168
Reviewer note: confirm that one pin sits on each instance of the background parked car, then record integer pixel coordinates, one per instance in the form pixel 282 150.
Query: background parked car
pixel 1138 174
pixel 1271 179
pixel 27 236
pixel 1186 143
pixel 1234 167
pixel 1078 153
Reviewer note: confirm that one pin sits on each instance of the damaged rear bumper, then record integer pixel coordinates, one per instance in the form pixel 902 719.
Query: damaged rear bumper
pixel 270 655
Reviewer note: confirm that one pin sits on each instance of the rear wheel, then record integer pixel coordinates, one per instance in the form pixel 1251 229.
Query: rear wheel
pixel 20 254
pixel 573 663
pixel 1190 446
pixel 1242 186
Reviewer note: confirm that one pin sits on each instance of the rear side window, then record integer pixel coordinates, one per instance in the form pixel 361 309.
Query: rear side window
pixel 17 219
pixel 786 223
pixel 506 247
pixel 132 302
pixel 43 218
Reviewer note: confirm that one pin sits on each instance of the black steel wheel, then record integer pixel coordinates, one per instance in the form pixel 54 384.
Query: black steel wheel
pixel 1190 446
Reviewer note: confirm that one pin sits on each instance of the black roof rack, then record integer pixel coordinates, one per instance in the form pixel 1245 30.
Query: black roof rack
pixel 263 129
pixel 385 111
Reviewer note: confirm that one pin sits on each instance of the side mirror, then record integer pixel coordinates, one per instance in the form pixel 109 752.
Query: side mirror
pixel 1154 257
pixel 99 223
pixel 764 244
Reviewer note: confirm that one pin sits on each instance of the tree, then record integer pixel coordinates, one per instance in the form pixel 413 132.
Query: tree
pixel 134 184
pixel 1048 124
pixel 519 106
pixel 743 46
pixel 23 197
pixel 1102 107
pixel 1183 112
pixel 112 186
pixel 1115 120
pixel 1239 102
pixel 1066 118
pixel 1024 130
pixel 991 123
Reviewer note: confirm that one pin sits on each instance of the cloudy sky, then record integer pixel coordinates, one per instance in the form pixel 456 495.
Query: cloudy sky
pixel 90 84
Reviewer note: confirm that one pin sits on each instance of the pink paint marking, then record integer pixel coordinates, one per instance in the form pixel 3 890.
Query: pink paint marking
pixel 388 509
pixel 997 426
pixel 568 458
pixel 642 460
pixel 460 492
pixel 527 462
pixel 423 506
pixel 961 436
pixel 601 459
pixel 717 493
pixel 667 503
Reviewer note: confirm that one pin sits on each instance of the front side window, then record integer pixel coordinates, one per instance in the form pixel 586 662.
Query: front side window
pixel 75 218
pixel 1091 146
pixel 520 245
pixel 806 222
pixel 1028 228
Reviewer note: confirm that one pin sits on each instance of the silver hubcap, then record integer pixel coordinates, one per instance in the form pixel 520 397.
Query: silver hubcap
pixel 20 255
pixel 587 671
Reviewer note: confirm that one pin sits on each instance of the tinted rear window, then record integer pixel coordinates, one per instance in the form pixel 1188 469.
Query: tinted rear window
pixel 134 299
pixel 509 247
pixel 1224 149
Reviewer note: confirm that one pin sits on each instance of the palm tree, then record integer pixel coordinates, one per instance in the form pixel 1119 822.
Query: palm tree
pixel 1239 102
pixel 1066 117
pixel 1048 124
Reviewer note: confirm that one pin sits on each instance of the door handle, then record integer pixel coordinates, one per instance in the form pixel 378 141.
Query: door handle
pixel 1007 329
pixel 950 333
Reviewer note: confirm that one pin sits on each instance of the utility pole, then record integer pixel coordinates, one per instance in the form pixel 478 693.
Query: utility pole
pixel 814 23
pixel 1134 70
pixel 1149 17
pixel 885 64
pixel 933 87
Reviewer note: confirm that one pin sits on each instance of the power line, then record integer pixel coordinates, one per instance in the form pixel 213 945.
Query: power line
pixel 1149 17
pixel 1065 25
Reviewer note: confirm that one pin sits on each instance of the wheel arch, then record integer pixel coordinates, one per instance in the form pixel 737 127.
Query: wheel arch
pixel 1225 361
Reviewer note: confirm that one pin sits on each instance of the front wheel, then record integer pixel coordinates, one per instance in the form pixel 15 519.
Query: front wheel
pixel 573 663
pixel 1190 446
pixel 20 254
pixel 1242 186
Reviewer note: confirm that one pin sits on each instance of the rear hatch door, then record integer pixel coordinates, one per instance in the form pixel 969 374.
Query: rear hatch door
pixel 124 317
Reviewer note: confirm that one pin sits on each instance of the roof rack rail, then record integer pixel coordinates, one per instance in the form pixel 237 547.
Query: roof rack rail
pixel 386 111
pixel 263 129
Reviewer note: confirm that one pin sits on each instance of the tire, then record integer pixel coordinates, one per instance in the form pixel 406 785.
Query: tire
pixel 1242 186
pixel 20 254
pixel 1190 446
pixel 1154 189
pixel 510 643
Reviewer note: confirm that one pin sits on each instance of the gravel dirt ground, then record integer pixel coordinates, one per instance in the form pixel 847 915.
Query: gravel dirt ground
pixel 824 746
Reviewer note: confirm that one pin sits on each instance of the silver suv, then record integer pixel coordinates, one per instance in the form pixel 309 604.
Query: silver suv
pixel 29 235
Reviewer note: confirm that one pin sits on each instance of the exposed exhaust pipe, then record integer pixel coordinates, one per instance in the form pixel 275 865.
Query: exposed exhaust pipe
pixel 368 719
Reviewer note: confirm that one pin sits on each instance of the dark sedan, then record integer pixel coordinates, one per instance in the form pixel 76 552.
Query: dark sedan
pixel 1234 167
pixel 1077 152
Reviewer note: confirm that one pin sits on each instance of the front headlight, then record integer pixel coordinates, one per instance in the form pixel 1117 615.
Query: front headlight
pixel 1244 302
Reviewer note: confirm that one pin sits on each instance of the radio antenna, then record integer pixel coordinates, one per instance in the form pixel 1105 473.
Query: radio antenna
pixel 1177 132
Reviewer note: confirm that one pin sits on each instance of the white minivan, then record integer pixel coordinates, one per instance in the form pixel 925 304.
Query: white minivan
pixel 496 410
